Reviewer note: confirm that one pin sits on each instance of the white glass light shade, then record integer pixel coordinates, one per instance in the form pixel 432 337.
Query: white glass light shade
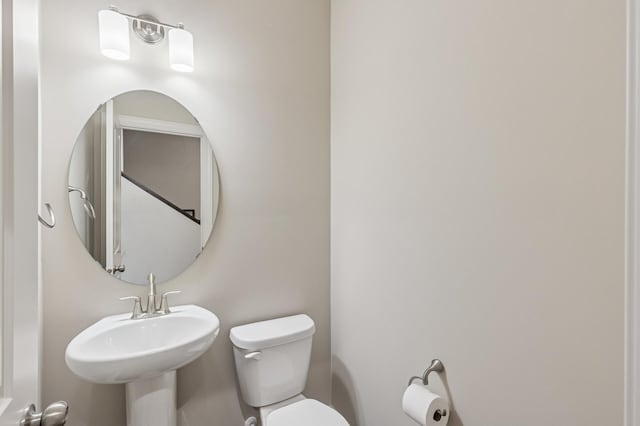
pixel 114 35
pixel 181 50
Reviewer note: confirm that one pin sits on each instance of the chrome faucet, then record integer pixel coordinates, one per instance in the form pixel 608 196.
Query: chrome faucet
pixel 152 309
pixel 151 295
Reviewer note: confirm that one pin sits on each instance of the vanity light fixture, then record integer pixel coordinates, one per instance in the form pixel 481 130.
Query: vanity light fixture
pixel 181 49
pixel 114 37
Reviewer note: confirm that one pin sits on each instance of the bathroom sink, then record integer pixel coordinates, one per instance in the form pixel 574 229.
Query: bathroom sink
pixel 118 349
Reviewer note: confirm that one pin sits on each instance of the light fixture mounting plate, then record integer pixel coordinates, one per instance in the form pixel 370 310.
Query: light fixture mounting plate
pixel 148 28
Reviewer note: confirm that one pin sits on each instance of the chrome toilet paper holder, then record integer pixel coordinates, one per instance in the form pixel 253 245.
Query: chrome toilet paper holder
pixel 436 367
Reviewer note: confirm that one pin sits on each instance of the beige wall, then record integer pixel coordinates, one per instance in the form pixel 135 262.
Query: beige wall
pixel 261 93
pixel 477 207
pixel 154 105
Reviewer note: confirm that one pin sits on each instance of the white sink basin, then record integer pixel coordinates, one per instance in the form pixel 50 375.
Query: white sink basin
pixel 118 349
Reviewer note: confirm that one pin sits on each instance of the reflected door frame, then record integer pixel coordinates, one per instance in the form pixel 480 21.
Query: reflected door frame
pixel 208 172
pixel 113 153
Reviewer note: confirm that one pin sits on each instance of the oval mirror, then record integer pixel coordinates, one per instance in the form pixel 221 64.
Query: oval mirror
pixel 143 187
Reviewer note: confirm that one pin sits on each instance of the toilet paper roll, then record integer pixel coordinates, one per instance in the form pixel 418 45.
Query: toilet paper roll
pixel 425 407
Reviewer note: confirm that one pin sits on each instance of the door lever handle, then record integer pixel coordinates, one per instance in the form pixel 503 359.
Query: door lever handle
pixel 116 269
pixel 54 415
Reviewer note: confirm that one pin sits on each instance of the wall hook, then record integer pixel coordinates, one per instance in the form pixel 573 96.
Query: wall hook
pixel 52 216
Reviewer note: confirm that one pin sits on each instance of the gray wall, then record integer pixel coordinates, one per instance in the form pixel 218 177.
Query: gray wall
pixel 478 207
pixel 261 93
pixel 167 164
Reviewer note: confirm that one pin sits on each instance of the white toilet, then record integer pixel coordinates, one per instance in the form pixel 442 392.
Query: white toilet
pixel 272 361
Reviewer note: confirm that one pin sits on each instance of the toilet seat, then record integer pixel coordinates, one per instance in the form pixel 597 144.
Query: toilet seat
pixel 307 412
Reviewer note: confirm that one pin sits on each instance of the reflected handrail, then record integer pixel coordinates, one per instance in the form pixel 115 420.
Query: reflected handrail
pixel 86 203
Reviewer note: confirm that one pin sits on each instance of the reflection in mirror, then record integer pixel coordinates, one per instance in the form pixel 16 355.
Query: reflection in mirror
pixel 143 187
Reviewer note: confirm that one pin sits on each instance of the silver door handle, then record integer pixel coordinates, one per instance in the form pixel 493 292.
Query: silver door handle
pixel 52 215
pixel 54 415
pixel 116 269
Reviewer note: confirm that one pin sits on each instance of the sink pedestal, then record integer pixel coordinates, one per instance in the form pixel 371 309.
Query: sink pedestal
pixel 152 401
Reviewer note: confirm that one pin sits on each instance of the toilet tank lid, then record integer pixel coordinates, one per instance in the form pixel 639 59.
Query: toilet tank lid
pixel 265 334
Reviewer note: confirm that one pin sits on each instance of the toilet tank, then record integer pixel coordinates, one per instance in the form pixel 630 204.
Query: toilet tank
pixel 272 358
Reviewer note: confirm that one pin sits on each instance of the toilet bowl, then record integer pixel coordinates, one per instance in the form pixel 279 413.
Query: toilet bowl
pixel 272 362
pixel 307 412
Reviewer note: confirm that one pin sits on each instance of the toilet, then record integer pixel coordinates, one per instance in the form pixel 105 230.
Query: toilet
pixel 272 361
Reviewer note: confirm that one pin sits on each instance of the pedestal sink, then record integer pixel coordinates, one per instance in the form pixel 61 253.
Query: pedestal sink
pixel 144 354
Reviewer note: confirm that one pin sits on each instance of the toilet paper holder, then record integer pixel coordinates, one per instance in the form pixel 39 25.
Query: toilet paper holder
pixel 436 367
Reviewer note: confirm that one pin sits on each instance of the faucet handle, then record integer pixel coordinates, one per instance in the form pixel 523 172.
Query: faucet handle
pixel 164 303
pixel 137 306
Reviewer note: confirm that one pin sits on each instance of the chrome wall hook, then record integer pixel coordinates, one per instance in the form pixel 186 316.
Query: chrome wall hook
pixel 86 203
pixel 436 367
pixel 52 216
